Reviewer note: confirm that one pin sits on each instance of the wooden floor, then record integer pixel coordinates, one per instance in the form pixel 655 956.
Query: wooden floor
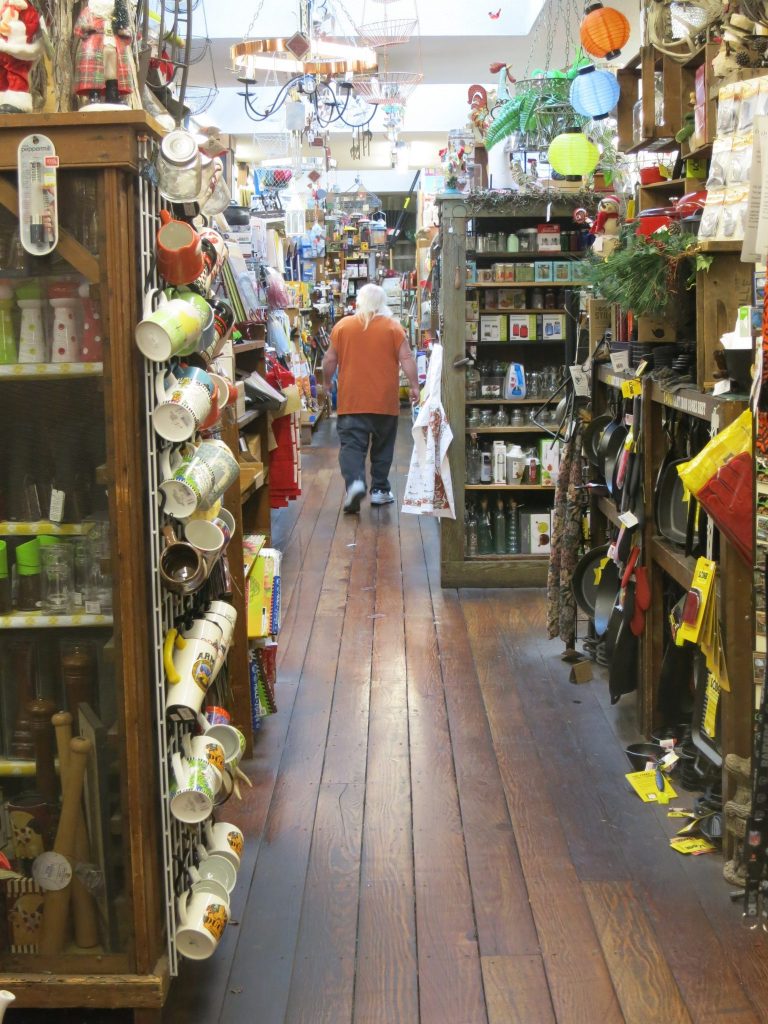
pixel 440 831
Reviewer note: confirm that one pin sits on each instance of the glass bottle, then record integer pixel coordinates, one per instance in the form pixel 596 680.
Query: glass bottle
pixel 537 298
pixel 179 167
pixel 513 528
pixel 484 535
pixel 470 531
pixel 474 463
pixel 486 467
pixel 500 419
pixel 500 528
pixel 549 298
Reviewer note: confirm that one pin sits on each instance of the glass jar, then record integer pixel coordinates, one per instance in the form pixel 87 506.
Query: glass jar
pixel 537 298
pixel 473 417
pixel 179 167
pixel 486 417
pixel 57 579
pixel 518 418
pixel 500 419
pixel 472 382
pixel 528 238
pixel 215 196
pixel 549 298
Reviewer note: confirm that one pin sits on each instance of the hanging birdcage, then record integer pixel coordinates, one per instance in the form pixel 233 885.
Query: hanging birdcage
pixel 273 145
pixel 381 34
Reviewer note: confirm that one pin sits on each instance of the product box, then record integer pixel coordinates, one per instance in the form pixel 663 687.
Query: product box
pixel 656 328
pixel 561 272
pixel 491 298
pixel 552 326
pixel 494 328
pixel 506 297
pixel 536 533
pixel 543 272
pixel 548 237
pixel 471 310
pixel 519 298
pixel 471 331
pixel 601 319
pixel 549 459
pixel 484 275
pixel 471 272
pixel 525 272
pixel 522 327
pixel 499 269
pixel 700 108
pixel 240 403
pixel 577 272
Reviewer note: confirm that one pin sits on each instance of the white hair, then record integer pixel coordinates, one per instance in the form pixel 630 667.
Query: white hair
pixel 371 302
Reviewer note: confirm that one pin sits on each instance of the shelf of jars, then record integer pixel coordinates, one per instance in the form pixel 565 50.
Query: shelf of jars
pixel 50 371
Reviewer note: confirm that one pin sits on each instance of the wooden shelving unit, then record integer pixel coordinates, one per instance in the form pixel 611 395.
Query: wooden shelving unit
pixel 457 569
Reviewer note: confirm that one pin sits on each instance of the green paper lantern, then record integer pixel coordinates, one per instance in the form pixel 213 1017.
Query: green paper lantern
pixel 573 155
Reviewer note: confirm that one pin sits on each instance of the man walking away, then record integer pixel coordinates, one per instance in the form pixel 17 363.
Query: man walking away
pixel 369 348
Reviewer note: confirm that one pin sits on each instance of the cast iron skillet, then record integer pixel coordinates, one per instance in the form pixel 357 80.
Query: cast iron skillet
pixel 583 579
pixel 671 508
pixel 606 597
pixel 605 441
pixel 592 435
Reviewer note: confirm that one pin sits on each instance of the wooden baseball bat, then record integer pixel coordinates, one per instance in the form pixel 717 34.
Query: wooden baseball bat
pixel 83 904
pixel 56 902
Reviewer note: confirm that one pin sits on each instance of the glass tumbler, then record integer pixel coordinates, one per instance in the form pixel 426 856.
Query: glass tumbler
pixel 58 579
pixel 474 462
pixel 98 590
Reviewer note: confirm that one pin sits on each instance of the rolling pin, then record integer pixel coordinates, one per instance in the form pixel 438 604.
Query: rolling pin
pixel 56 902
pixel 83 904
pixel 47 785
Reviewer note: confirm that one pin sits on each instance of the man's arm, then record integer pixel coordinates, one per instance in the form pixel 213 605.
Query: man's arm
pixel 330 363
pixel 408 364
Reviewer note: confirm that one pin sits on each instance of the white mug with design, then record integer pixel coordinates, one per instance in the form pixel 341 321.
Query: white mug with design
pixel 190 664
pixel 205 748
pixel 193 789
pixel 229 736
pixel 225 839
pixel 218 456
pixel 207 538
pixel 185 399
pixel 203 916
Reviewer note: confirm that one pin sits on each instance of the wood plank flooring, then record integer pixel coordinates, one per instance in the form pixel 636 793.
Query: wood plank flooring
pixel 440 831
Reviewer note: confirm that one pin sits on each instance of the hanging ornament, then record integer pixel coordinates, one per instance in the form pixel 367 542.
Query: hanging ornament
pixel 594 93
pixel 573 155
pixel 604 31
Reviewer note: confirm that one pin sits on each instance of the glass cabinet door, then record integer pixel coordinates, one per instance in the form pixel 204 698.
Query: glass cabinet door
pixel 62 819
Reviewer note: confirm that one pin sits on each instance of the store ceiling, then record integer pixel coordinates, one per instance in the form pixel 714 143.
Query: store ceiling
pixel 456 44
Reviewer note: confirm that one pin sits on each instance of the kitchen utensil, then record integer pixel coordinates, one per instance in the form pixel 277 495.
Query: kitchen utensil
pixel 583 579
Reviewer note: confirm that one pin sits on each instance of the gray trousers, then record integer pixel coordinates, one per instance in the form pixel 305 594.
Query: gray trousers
pixel 358 431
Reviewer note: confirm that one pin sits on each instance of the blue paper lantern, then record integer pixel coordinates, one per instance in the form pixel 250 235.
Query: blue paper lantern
pixel 594 93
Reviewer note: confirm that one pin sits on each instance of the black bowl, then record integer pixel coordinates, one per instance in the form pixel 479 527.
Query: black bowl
pixel 638 754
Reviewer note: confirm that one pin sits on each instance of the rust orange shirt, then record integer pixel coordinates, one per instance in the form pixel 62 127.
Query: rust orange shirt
pixel 369 368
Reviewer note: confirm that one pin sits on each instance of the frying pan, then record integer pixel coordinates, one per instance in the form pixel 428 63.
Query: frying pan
pixel 671 508
pixel 583 579
pixel 612 450
pixel 606 597
pixel 668 426
pixel 606 435
pixel 592 435
pixel 622 677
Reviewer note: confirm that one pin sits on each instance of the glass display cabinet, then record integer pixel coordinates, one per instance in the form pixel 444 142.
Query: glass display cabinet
pixel 82 904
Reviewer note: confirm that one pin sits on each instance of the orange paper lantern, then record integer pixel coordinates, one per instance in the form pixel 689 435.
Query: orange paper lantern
pixel 603 31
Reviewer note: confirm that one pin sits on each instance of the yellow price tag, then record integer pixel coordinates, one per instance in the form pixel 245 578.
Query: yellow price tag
pixel 632 388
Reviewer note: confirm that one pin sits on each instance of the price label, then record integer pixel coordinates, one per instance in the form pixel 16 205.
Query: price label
pixel 628 519
pixel 580 379
pixel 643 368
pixel 632 388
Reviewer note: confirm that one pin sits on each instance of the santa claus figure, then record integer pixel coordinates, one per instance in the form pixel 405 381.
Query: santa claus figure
pixel 21 46
pixel 102 72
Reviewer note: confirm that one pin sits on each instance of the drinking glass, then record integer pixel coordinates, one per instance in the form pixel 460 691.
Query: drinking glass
pixel 57 564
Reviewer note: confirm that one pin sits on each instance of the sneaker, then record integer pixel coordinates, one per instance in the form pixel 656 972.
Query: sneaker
pixel 382 497
pixel 355 493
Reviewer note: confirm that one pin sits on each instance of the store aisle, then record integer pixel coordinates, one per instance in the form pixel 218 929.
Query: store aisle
pixel 441 832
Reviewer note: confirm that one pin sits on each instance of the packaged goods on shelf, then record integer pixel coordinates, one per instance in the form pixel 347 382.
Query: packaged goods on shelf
pixel 543 271
pixel 471 331
pixel 549 457
pixel 494 328
pixel 525 273
pixel 471 310
pixel 522 327
pixel 548 237
pixel 536 531
pixel 561 272
pixel 552 326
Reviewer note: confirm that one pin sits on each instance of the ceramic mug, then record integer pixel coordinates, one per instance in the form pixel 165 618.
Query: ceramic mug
pixel 223 320
pixel 203 916
pixel 215 868
pixel 207 538
pixel 225 467
pixel 183 568
pixel 179 251
pixel 204 311
pixel 216 715
pixel 226 523
pixel 189 667
pixel 205 748
pixel 227 787
pixel 187 485
pixel 226 840
pixel 193 789
pixel 227 630
pixel 230 738
pixel 184 402
pixel 169 327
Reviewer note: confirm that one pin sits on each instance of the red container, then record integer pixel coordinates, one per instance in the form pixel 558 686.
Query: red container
pixel 651 220
pixel 650 175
